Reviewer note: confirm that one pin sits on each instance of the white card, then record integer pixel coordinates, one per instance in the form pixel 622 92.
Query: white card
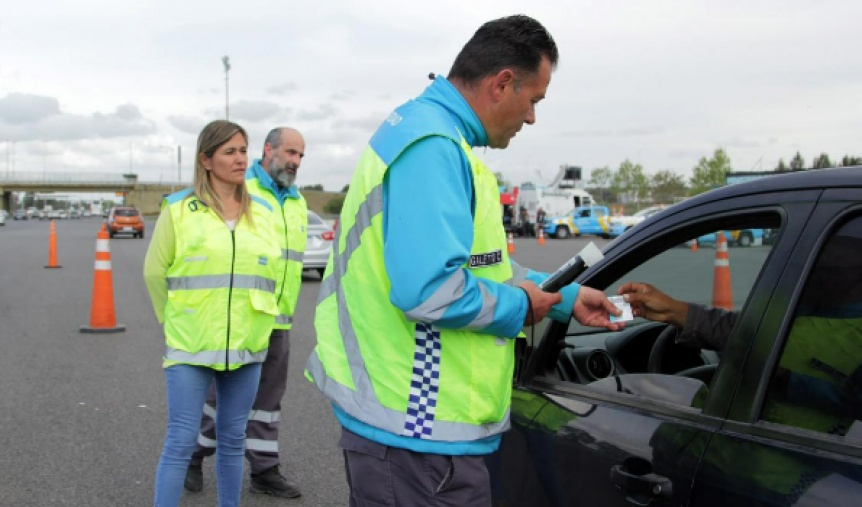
pixel 626 308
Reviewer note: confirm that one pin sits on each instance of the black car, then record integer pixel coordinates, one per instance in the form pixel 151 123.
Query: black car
pixel 630 417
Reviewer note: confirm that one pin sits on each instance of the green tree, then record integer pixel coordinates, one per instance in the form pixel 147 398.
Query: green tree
pixel 631 180
pixel 334 205
pixel 822 162
pixel 667 186
pixel 316 186
pixel 345 189
pixel 782 167
pixel 710 173
pixel 501 180
pixel 797 162
pixel 601 178
pixel 848 161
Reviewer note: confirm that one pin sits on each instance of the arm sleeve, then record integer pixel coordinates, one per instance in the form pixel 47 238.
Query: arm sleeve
pixel 160 255
pixel 561 311
pixel 428 235
pixel 706 327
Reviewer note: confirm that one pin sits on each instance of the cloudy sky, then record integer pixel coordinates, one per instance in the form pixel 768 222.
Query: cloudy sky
pixel 106 86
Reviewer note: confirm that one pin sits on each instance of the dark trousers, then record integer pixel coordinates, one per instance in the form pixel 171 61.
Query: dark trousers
pixel 261 442
pixel 379 475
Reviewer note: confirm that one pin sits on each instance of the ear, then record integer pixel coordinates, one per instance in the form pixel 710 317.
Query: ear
pixel 205 161
pixel 501 81
pixel 267 150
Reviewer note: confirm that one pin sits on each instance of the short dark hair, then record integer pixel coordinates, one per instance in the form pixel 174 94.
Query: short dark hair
pixel 517 41
pixel 273 138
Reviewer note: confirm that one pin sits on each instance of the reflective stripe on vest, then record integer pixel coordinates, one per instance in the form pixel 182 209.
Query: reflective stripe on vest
pixel 214 356
pixel 221 282
pixel 292 255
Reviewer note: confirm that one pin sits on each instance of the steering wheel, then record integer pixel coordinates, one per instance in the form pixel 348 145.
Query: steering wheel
pixel 665 339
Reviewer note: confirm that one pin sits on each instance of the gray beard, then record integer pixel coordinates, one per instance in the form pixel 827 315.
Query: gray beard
pixel 284 178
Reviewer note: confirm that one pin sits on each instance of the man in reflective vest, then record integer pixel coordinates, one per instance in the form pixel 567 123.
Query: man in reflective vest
pixel 271 179
pixel 420 303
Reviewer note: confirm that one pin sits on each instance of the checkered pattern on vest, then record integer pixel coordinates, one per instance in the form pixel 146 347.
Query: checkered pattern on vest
pixel 425 383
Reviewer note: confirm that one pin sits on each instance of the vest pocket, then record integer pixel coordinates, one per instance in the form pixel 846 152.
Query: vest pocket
pixel 263 302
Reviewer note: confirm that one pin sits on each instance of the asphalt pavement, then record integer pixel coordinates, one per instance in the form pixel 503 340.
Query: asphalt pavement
pixel 82 416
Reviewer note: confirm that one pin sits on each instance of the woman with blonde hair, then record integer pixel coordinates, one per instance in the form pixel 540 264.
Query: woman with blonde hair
pixel 211 271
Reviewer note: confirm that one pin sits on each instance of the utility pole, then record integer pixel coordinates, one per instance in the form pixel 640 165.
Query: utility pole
pixel 226 61
pixel 179 164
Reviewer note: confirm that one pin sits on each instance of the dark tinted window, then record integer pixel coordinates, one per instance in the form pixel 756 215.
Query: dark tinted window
pixel 817 384
pixel 126 212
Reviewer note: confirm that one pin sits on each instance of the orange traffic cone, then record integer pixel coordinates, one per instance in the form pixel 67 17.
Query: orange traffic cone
pixel 510 243
pixel 103 319
pixel 722 295
pixel 694 245
pixel 52 247
pixel 541 235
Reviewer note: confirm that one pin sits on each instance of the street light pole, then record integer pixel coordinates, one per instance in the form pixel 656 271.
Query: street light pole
pixel 226 61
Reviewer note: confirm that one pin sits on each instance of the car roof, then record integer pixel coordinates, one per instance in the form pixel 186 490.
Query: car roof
pixel 815 178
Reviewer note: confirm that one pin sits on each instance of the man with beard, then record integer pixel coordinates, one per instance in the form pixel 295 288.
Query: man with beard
pixel 272 180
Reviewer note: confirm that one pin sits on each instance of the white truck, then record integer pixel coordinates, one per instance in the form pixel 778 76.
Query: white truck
pixel 556 199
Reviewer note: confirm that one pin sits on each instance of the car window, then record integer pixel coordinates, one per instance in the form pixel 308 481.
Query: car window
pixel 817 383
pixel 126 213
pixel 652 360
pixel 313 219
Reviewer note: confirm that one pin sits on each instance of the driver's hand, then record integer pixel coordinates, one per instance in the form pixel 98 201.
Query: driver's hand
pixel 653 304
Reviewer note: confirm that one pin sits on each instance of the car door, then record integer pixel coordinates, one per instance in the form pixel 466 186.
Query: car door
pixel 794 431
pixel 594 421
pixel 584 221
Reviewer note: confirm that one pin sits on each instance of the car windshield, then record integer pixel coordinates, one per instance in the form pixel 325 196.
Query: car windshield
pixel 126 213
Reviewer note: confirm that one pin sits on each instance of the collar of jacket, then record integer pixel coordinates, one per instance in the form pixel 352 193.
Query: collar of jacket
pixel 257 171
pixel 443 94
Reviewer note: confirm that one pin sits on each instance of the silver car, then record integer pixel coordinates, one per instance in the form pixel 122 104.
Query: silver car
pixel 320 236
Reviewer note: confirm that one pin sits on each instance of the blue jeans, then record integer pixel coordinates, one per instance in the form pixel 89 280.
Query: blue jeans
pixel 186 392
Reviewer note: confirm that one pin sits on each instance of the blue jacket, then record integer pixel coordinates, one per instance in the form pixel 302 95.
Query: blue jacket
pixel 436 172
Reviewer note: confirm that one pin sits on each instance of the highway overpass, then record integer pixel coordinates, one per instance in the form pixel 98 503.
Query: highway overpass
pixel 146 196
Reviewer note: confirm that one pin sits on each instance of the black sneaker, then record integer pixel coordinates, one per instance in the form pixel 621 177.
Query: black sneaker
pixel 271 482
pixel 194 479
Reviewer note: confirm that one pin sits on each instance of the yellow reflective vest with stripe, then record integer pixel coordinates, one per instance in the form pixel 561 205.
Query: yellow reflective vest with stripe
pixel 406 378
pixel 291 230
pixel 221 286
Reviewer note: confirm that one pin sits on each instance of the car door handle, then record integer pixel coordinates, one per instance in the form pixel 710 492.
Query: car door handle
pixel 640 488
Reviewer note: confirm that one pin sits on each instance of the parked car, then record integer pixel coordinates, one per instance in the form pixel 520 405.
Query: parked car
pixel 3 214
pixel 631 417
pixel 318 245
pixel 125 220
pixel 19 214
pixel 582 220
pixel 620 224
pixel 740 237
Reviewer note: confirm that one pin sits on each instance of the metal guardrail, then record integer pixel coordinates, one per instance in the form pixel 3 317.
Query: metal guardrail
pixel 67 177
